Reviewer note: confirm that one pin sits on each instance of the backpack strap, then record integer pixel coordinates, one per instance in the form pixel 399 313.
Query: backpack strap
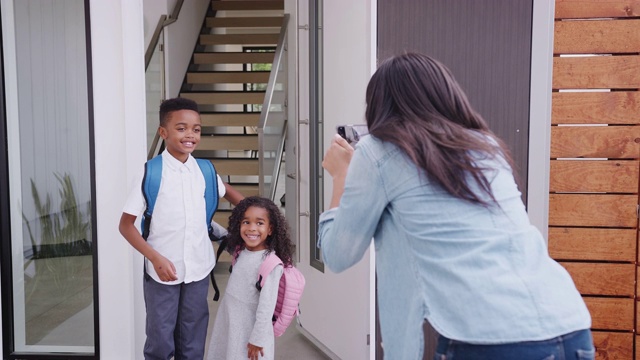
pixel 221 247
pixel 211 201
pixel 235 254
pixel 150 189
pixel 268 264
pixel 210 191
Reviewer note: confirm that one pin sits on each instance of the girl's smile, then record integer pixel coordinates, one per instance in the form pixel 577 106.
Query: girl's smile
pixel 255 228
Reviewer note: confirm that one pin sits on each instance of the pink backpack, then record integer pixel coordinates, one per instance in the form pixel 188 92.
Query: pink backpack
pixel 289 293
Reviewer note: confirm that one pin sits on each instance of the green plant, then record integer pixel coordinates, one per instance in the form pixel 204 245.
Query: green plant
pixel 62 234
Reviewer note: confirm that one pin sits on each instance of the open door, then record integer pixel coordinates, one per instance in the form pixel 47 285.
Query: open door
pixel 335 56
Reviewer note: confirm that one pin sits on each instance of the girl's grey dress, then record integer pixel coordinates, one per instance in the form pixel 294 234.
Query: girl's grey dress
pixel 244 315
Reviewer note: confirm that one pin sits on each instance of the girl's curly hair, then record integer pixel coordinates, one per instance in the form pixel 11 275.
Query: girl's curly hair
pixel 279 240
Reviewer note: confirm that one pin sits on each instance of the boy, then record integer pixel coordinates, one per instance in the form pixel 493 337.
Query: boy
pixel 178 253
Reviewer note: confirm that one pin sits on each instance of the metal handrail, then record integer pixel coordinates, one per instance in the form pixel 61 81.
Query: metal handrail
pixel 266 107
pixel 162 22
pixel 276 168
pixel 154 41
pixel 277 59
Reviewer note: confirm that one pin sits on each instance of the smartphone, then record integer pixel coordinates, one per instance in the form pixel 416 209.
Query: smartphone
pixel 352 133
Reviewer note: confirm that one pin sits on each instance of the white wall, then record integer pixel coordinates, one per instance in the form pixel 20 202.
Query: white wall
pixel 180 40
pixel 118 88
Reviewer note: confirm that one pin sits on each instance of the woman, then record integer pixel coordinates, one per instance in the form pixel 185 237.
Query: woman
pixel 434 188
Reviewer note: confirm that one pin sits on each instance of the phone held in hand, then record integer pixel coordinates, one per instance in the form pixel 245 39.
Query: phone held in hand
pixel 352 133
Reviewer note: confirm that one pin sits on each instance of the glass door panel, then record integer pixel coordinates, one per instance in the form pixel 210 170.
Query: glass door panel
pixel 49 155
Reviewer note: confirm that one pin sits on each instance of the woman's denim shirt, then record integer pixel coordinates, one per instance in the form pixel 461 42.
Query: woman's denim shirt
pixel 479 275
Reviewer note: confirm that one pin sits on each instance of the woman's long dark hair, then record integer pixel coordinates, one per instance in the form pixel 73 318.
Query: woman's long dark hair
pixel 414 102
pixel 279 240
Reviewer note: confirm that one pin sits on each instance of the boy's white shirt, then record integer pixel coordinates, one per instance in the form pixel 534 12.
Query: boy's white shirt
pixel 178 229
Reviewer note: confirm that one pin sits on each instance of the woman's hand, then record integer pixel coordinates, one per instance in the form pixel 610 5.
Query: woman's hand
pixel 338 156
pixel 253 351
pixel 336 162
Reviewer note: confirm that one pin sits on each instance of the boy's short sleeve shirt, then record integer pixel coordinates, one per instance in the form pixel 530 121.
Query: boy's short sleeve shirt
pixel 178 230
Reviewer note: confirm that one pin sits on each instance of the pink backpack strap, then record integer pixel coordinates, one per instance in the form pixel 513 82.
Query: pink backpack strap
pixel 236 253
pixel 268 264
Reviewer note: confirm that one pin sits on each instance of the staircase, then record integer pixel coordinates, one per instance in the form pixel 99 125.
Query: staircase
pixel 227 77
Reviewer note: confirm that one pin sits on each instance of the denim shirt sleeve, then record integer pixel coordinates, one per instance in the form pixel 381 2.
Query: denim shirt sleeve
pixel 345 232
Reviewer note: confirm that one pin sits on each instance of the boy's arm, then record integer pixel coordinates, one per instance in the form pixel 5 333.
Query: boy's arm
pixel 232 195
pixel 164 268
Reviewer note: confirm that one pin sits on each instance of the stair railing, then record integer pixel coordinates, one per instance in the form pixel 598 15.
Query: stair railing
pixel 272 127
pixel 155 78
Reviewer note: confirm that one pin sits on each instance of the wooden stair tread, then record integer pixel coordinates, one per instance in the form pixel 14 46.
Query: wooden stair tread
pixel 257 21
pixel 229 119
pixel 227 77
pixel 233 58
pixel 229 142
pixel 222 92
pixel 225 97
pixel 232 166
pixel 227 72
pixel 247 5
pixel 222 217
pixel 245 189
pixel 239 39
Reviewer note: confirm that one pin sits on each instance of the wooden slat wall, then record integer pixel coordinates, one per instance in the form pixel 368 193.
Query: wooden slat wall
pixel 595 151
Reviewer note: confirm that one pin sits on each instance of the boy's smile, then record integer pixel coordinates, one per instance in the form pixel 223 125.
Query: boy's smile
pixel 255 228
pixel 181 133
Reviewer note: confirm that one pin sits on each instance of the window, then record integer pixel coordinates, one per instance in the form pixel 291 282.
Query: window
pixel 48 253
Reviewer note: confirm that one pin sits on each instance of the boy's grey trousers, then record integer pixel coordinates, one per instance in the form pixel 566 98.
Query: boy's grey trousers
pixel 177 319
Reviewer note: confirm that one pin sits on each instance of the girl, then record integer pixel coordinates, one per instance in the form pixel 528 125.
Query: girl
pixel 243 327
pixel 434 188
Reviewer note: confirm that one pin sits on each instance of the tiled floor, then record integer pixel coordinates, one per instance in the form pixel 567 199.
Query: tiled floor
pixel 291 345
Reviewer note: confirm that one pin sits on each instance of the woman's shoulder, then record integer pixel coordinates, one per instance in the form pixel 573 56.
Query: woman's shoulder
pixel 369 141
pixel 375 148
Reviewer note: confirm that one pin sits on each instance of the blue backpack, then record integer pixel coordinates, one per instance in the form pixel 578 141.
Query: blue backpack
pixel 151 187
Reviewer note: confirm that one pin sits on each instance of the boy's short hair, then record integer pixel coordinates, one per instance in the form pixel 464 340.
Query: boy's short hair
pixel 170 105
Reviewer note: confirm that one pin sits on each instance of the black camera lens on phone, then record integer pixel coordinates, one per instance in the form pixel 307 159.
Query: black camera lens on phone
pixel 342 132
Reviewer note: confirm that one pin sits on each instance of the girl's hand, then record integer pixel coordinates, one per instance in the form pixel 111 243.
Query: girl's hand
pixel 164 268
pixel 338 156
pixel 253 351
